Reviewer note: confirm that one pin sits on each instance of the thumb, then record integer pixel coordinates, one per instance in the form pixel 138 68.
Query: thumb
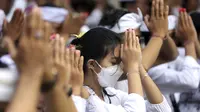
pixel 10 46
pixel 146 20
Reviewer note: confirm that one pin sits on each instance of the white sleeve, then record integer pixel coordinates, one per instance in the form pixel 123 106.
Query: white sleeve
pixel 130 103
pixel 170 80
pixel 80 103
pixel 162 107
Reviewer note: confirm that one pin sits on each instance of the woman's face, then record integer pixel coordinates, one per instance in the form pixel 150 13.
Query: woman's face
pixel 113 58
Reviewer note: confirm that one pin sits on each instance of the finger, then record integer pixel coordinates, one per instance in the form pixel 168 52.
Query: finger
pixel 186 19
pixel 5 25
pixel 190 21
pixel 67 52
pixel 137 43
pixel 146 20
pixel 11 47
pixel 161 8
pixel 166 13
pixel 126 38
pixel 62 49
pixel 72 55
pixel 182 19
pixel 133 39
pixel 130 38
pixel 77 57
pixel 121 50
pixel 56 47
pixel 15 16
pixel 47 31
pixel 81 61
pixel 153 9
pixel 157 9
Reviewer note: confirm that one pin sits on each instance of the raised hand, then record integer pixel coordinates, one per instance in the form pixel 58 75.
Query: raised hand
pixel 77 75
pixel 73 23
pixel 14 28
pixel 34 49
pixel 157 23
pixel 131 51
pixel 61 59
pixel 186 29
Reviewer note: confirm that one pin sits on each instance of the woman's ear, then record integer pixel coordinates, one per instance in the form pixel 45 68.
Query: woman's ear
pixel 91 64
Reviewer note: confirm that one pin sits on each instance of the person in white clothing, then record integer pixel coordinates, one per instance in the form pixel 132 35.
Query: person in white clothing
pixel 110 95
pixel 101 61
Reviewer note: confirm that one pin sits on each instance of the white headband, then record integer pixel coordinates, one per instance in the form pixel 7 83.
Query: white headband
pixel 8 79
pixel 172 22
pixel 2 16
pixel 53 14
pixel 130 20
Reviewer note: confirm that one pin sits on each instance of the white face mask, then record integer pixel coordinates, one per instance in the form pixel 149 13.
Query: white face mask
pixel 109 76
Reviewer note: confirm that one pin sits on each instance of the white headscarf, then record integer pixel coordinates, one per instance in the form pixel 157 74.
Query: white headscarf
pixel 54 14
pixel 172 22
pixel 2 16
pixel 129 20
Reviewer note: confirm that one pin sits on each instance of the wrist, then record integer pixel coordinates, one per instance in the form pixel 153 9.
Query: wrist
pixel 76 91
pixel 160 36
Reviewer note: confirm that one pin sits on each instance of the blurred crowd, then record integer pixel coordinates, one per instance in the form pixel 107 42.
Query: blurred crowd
pixel 99 56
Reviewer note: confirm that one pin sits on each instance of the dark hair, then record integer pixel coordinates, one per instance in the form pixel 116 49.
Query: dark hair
pixel 196 17
pixel 96 44
pixel 123 4
pixel 112 17
pixel 83 5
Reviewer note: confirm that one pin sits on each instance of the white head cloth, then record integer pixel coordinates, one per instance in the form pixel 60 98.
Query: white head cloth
pixel 53 14
pixel 2 16
pixel 8 79
pixel 130 20
pixel 172 22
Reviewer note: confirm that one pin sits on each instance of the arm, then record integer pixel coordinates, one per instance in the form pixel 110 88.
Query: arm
pixel 158 26
pixel 57 101
pixel 169 50
pixel 156 100
pixel 28 91
pixel 152 92
pixel 152 47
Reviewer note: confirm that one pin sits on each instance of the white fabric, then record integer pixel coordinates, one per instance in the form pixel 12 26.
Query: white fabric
pixel 121 102
pixel 130 20
pixel 162 107
pixel 94 18
pixel 177 76
pixel 172 22
pixel 8 79
pixel 8 61
pixel 80 103
pixel 21 4
pixel 2 16
pixel 53 14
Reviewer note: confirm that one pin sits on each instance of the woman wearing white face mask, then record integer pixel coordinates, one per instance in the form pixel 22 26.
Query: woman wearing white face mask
pixel 101 50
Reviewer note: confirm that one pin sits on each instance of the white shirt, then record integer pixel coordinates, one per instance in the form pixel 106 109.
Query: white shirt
pixel 119 102
pixel 180 75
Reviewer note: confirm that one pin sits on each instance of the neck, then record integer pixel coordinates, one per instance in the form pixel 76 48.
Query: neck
pixel 94 85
